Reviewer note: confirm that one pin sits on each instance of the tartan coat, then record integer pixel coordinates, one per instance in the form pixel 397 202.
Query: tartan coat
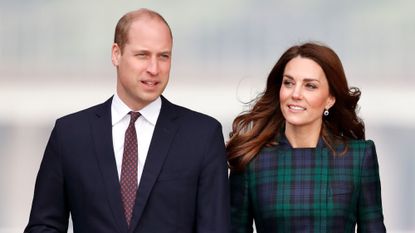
pixel 285 189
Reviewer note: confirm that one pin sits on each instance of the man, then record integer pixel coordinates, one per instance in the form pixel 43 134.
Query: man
pixel 163 172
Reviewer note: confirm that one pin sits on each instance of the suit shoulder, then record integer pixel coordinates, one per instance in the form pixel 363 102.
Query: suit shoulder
pixel 192 116
pixel 78 114
pixel 84 113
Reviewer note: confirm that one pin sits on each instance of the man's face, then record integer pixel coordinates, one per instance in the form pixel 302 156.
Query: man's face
pixel 143 67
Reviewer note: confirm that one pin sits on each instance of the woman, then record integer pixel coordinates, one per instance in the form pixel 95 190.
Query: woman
pixel 299 160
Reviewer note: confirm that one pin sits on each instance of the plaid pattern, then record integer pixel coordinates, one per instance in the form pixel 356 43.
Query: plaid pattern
pixel 308 190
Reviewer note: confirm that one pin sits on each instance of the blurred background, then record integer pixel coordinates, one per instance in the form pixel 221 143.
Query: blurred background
pixel 55 59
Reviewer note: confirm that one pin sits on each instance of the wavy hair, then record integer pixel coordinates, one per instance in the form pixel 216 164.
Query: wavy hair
pixel 260 126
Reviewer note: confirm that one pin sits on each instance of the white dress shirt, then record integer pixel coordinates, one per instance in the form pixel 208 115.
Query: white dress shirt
pixel 144 127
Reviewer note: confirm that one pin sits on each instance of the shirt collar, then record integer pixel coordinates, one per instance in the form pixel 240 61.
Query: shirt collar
pixel 119 110
pixel 151 112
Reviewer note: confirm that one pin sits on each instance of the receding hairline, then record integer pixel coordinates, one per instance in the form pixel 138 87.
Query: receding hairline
pixel 125 22
pixel 145 13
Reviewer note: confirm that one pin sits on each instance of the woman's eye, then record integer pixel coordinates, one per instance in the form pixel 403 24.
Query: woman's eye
pixel 288 83
pixel 311 86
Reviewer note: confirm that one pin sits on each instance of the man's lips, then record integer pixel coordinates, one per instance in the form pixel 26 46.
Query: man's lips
pixel 150 83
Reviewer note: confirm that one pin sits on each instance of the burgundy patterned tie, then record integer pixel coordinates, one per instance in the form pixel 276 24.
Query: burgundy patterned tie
pixel 129 168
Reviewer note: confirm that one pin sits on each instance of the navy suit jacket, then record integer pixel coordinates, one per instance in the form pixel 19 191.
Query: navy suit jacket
pixel 184 185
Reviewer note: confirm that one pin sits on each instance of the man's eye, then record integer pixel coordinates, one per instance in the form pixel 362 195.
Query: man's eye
pixel 165 56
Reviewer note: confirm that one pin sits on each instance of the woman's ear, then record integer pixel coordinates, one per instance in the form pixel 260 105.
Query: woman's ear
pixel 330 102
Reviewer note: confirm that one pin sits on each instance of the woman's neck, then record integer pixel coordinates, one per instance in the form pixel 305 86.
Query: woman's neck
pixel 302 137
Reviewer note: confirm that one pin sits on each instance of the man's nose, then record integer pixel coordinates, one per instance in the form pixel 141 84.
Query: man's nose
pixel 153 66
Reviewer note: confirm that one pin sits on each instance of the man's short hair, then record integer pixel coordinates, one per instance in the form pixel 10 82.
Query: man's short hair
pixel 123 25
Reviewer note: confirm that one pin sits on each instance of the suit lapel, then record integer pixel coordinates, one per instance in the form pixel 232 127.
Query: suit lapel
pixel 163 135
pixel 102 135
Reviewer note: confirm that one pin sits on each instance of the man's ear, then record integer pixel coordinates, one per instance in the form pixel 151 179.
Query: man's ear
pixel 115 54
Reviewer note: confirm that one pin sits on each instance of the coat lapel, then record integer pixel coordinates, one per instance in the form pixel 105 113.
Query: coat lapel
pixel 163 135
pixel 102 136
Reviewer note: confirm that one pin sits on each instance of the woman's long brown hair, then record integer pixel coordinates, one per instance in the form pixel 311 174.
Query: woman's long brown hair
pixel 259 127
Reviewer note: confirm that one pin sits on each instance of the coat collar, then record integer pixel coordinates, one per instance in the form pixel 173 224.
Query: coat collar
pixel 164 132
pixel 283 142
pixel 102 138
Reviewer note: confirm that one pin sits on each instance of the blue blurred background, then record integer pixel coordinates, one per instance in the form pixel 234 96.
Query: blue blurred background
pixel 55 59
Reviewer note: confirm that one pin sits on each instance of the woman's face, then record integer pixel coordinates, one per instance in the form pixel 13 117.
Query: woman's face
pixel 304 94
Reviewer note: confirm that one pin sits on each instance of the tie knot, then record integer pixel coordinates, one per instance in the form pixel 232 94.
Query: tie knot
pixel 134 116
